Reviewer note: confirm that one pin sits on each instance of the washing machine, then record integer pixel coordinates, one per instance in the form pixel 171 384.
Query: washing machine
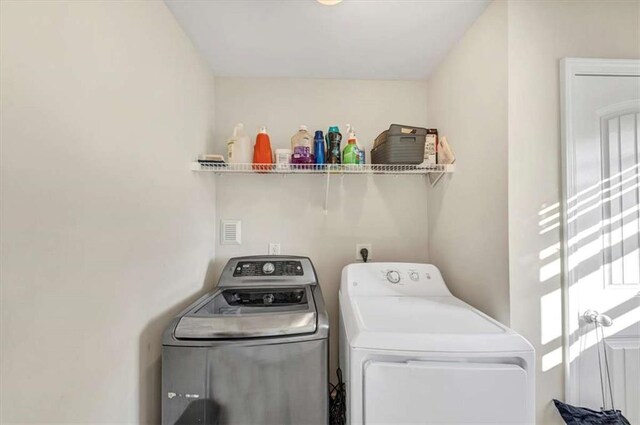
pixel 254 351
pixel 411 353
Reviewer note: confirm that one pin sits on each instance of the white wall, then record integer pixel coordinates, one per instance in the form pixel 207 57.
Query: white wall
pixel 540 34
pixel 388 212
pixel 467 103
pixel 501 83
pixel 105 231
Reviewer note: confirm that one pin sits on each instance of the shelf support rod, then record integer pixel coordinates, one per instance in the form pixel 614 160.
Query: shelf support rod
pixel 326 194
pixel 436 180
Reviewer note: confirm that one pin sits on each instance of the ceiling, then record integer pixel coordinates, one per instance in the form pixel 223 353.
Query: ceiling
pixel 356 39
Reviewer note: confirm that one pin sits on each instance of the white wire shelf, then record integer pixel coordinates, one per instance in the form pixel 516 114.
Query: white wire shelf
pixel 322 168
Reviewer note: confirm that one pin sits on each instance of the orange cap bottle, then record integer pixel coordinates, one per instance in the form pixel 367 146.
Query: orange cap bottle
pixel 262 155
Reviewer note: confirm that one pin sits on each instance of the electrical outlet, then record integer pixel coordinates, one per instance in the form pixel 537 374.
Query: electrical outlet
pixel 359 247
pixel 274 248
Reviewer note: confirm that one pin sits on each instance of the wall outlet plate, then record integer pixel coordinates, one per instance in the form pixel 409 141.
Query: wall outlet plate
pixel 274 248
pixel 359 246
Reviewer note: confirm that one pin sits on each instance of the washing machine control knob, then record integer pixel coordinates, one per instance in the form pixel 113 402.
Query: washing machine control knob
pixel 268 298
pixel 414 276
pixel 268 268
pixel 393 276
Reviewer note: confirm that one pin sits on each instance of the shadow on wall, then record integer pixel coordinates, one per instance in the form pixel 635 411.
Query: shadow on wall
pixel 150 361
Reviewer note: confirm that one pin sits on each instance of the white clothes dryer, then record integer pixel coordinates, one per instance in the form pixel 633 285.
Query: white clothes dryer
pixel 412 353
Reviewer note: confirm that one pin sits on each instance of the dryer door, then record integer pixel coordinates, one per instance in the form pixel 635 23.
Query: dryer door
pixel 432 392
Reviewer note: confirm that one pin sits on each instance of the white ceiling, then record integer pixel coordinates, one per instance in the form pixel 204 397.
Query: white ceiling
pixel 356 39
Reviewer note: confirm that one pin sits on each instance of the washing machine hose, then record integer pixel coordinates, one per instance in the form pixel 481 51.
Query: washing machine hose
pixel 337 401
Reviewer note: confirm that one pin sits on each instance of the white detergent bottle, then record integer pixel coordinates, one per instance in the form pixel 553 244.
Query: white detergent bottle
pixel 239 147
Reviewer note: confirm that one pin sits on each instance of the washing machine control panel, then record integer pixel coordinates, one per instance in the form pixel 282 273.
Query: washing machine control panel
pixel 268 268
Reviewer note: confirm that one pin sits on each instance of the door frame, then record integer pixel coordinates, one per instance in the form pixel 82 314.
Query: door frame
pixel 569 69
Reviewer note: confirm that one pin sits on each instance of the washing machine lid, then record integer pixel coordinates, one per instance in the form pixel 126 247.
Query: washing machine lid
pixel 245 312
pixel 442 324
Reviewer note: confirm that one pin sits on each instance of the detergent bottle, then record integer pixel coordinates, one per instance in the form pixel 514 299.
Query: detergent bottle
pixel 239 146
pixel 302 147
pixel 333 145
pixel 262 155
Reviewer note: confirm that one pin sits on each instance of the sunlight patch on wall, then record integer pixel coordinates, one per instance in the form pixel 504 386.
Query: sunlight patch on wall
pixel 549 228
pixel 550 251
pixel 586 252
pixel 552 359
pixel 549 219
pixel 550 270
pixel 550 208
pixel 551 316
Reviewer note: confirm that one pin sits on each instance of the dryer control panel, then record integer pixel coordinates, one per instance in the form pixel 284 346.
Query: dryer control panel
pixel 393 279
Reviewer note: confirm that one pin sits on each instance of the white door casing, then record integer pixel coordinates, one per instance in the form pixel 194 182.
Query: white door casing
pixel 600 106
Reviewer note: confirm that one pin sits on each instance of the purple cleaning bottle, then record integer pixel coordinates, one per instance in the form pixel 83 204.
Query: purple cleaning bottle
pixel 301 147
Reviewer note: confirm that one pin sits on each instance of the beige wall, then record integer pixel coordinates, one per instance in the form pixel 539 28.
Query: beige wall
pixel 501 82
pixel 467 99
pixel 388 212
pixel 540 34
pixel 105 231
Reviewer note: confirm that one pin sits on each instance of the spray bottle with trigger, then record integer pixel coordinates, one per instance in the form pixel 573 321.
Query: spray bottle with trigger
pixel 351 155
pixel 352 136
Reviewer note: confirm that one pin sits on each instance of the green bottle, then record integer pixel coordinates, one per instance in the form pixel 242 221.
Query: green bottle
pixel 351 153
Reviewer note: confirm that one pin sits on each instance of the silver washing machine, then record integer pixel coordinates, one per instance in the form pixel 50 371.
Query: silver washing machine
pixel 254 351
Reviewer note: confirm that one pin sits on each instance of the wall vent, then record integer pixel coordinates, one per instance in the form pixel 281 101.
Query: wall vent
pixel 230 232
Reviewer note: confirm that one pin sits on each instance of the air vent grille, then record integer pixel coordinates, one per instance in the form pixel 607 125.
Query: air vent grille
pixel 230 232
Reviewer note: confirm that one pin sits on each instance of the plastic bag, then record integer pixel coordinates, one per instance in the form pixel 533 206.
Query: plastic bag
pixel 582 416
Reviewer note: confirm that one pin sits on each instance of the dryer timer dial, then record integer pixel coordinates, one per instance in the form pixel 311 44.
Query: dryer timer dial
pixel 393 276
